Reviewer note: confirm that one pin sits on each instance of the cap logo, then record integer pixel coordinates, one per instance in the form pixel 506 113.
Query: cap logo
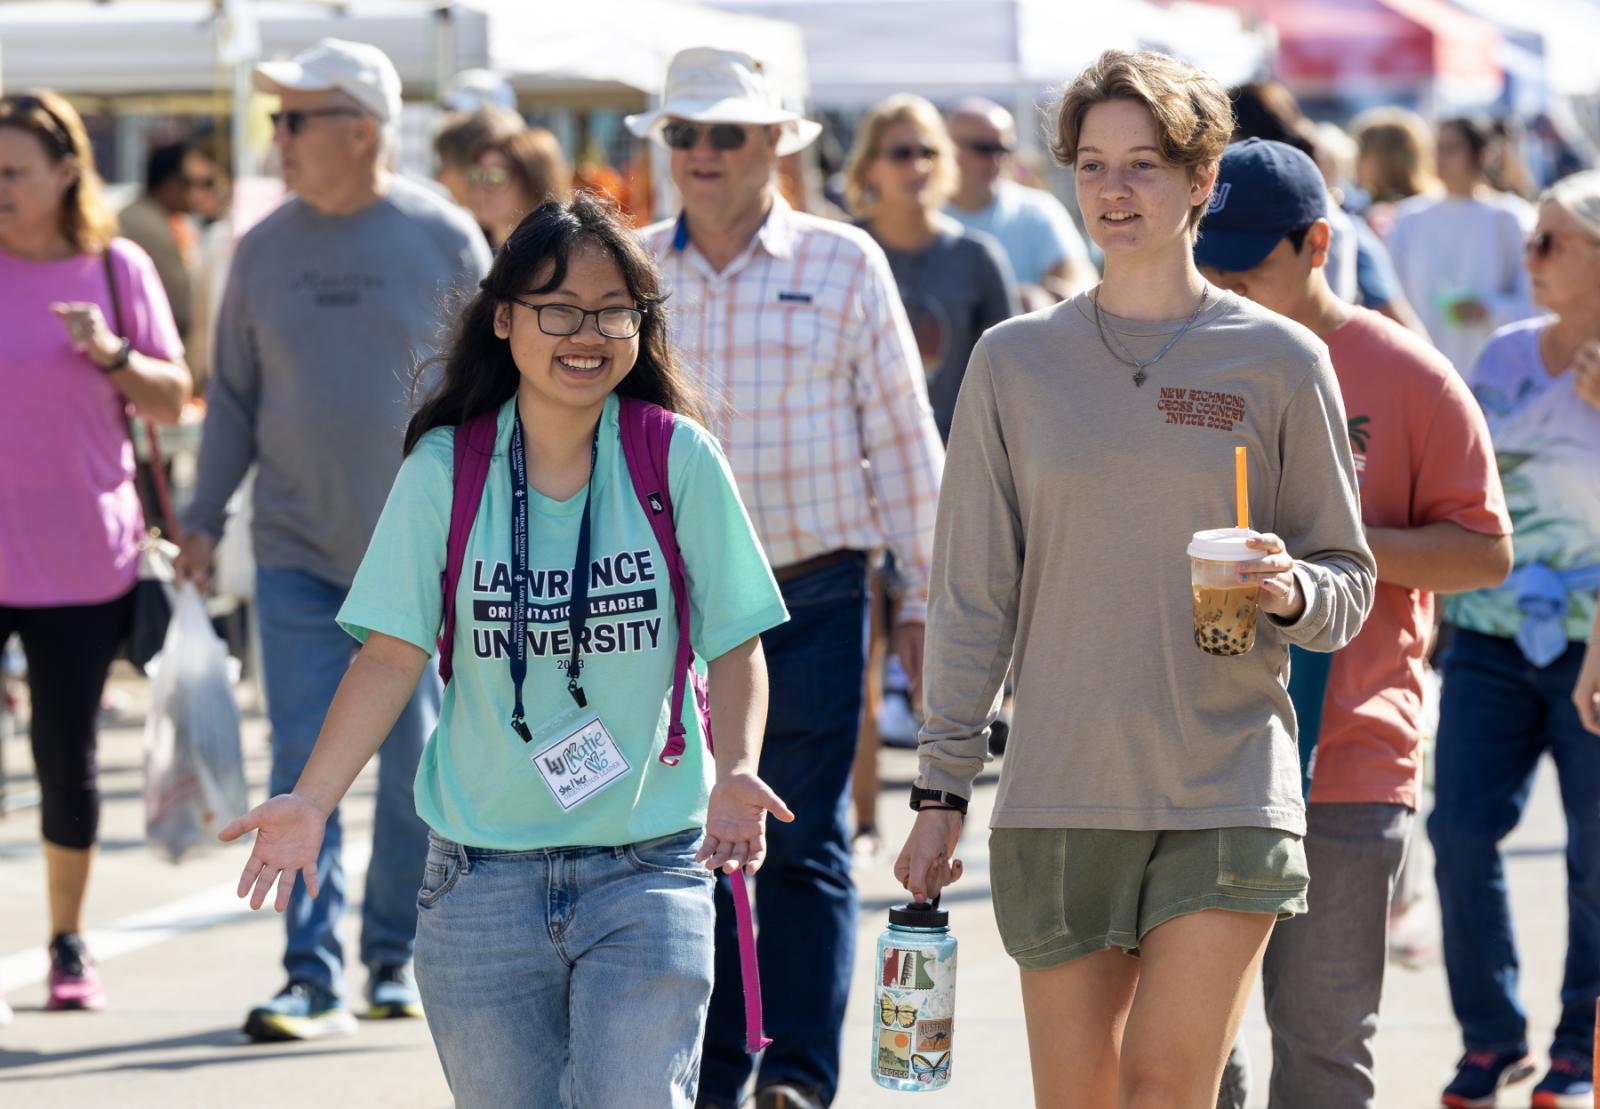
pixel 1219 197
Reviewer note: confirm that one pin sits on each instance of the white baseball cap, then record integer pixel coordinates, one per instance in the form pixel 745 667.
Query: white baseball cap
pixel 358 69
pixel 707 85
pixel 472 89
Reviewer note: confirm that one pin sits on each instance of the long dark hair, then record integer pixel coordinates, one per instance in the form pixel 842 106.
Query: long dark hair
pixel 479 374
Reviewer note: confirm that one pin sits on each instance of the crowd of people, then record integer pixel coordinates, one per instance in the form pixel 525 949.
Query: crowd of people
pixel 543 499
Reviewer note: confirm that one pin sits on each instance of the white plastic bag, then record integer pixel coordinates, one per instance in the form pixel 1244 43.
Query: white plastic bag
pixel 193 767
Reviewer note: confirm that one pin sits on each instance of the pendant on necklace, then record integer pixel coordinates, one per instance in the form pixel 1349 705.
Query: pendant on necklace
pixel 1139 376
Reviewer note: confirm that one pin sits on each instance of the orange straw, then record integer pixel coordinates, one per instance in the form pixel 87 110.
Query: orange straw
pixel 1241 487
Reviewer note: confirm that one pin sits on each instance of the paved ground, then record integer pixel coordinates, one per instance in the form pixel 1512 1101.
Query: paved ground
pixel 183 962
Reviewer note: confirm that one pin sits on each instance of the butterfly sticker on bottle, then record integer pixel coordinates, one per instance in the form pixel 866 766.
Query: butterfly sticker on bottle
pixel 892 1014
pixel 936 1069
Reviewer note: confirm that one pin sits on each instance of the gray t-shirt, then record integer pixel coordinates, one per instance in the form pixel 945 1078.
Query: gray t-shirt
pixel 1069 498
pixel 953 292
pixel 323 321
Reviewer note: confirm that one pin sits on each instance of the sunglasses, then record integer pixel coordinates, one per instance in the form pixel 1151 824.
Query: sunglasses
pixel 900 155
pixel 567 319
pixel 986 149
pixel 295 118
pixel 492 178
pixel 723 136
pixel 1543 244
pixel 60 137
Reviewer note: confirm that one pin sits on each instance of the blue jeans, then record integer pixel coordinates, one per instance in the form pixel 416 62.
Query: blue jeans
pixel 805 900
pixel 576 976
pixel 1498 715
pixel 304 655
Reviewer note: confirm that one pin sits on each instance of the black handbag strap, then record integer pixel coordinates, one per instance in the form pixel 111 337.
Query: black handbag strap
pixel 158 474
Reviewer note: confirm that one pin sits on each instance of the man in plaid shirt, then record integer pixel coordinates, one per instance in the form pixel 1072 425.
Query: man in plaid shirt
pixel 820 401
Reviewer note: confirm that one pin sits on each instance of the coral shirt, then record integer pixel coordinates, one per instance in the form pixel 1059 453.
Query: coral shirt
pixel 1423 454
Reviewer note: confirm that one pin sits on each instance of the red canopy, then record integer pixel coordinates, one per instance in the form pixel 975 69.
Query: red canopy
pixel 1329 42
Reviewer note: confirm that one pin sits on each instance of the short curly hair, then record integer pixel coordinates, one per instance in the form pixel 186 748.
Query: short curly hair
pixel 1194 118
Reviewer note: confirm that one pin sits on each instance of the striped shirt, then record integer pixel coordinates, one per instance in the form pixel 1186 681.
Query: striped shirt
pixel 816 389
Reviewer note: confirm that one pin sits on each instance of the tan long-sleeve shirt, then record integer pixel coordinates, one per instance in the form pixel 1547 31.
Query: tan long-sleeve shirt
pixel 1068 500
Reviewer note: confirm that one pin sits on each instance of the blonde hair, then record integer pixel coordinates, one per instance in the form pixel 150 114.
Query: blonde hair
pixel 86 222
pixel 1578 194
pixel 902 108
pixel 1194 118
pixel 1400 150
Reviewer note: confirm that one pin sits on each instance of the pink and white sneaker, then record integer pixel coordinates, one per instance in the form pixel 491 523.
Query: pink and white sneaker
pixel 74 981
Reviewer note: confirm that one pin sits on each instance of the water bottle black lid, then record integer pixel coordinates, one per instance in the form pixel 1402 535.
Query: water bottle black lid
pixel 920 914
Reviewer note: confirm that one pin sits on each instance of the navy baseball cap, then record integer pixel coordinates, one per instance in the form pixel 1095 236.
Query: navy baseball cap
pixel 1264 190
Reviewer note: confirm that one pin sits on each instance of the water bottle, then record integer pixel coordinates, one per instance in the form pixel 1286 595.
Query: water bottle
pixel 913 1015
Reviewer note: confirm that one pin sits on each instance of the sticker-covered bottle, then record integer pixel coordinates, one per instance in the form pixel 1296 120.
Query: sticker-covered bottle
pixel 914 1002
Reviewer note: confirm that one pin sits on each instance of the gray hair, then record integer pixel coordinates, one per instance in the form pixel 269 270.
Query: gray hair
pixel 1578 195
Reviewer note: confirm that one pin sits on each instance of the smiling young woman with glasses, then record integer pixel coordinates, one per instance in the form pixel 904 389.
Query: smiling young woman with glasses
pixel 568 321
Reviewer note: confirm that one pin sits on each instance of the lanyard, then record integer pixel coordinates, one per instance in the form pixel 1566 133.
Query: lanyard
pixel 578 605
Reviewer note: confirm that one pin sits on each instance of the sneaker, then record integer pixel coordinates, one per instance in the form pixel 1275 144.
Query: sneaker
pixel 74 981
pixel 1480 1074
pixel 392 993
pixel 1568 1084
pixel 897 724
pixel 302 1011
pixel 866 846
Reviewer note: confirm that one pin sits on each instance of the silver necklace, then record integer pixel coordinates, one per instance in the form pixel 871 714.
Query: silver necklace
pixel 1125 356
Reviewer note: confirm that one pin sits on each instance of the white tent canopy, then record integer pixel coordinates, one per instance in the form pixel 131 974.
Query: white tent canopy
pixel 601 48
pixel 1561 34
pixel 1011 50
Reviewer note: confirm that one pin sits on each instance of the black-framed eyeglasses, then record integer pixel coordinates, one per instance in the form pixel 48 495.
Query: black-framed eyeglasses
pixel 723 136
pixel 902 154
pixel 295 118
pixel 985 149
pixel 567 319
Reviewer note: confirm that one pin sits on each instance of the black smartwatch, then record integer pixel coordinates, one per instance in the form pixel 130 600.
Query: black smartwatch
pixel 120 362
pixel 941 799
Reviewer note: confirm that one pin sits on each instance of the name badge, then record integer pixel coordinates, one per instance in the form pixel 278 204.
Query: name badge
pixel 580 762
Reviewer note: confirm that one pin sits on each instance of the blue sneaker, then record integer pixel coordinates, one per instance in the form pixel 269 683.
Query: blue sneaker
pixel 392 993
pixel 1480 1074
pixel 302 1011
pixel 1568 1084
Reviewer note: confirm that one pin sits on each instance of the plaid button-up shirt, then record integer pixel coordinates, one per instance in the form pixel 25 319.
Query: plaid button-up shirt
pixel 816 389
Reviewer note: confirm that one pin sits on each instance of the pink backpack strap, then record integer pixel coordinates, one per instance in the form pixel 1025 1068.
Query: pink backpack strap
pixel 474 447
pixel 646 445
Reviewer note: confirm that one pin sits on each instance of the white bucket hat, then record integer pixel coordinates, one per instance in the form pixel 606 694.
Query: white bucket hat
pixel 357 69
pixel 707 85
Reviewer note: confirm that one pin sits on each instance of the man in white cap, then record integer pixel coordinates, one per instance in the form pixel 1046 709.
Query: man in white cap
pixel 795 324
pixel 330 302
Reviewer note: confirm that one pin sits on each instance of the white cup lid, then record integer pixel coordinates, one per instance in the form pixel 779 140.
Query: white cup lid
pixel 1223 545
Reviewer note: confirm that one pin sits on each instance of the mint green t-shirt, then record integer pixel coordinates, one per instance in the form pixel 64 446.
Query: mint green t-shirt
pixel 476 783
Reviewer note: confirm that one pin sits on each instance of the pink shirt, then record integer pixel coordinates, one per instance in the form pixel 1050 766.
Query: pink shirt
pixel 69 515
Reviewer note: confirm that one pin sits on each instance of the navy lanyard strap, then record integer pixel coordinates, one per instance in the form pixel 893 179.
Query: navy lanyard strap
pixel 578 606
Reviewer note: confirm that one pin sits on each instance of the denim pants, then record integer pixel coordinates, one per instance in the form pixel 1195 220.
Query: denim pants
pixel 1497 716
pixel 572 976
pixel 304 655
pixel 1323 972
pixel 805 899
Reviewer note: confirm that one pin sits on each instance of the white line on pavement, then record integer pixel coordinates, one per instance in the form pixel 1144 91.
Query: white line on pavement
pixel 207 909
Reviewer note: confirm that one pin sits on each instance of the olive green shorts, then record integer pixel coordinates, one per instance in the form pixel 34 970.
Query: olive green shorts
pixel 1062 893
